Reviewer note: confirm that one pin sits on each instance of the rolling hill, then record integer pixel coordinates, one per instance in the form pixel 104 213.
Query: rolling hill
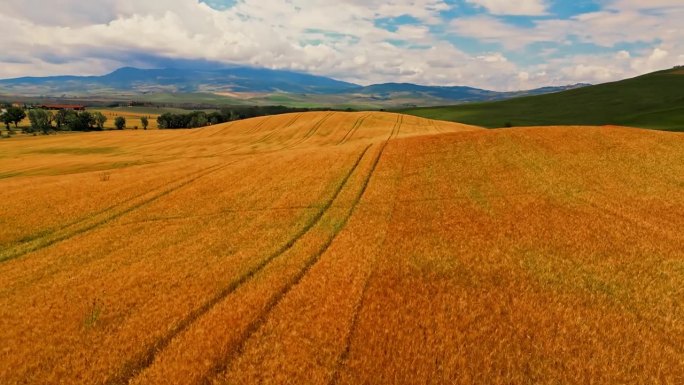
pixel 343 248
pixel 244 85
pixel 653 101
pixel 397 91
pixel 238 79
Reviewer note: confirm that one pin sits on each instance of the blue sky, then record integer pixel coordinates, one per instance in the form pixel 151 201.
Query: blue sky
pixel 496 44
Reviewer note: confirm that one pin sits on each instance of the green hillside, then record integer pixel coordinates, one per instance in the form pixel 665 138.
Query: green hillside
pixel 653 101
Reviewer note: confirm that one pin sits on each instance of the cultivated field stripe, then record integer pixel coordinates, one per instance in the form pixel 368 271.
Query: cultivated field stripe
pixel 361 300
pixel 135 366
pixel 308 265
pixel 311 132
pixel 258 126
pixel 353 129
pixel 273 132
pixel 434 125
pixel 275 300
pixel 359 305
pixel 99 219
pixel 102 211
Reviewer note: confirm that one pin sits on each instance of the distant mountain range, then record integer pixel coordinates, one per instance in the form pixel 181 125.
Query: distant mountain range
pixel 245 84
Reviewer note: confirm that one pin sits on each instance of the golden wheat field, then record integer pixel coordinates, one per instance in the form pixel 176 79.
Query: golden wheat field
pixel 343 248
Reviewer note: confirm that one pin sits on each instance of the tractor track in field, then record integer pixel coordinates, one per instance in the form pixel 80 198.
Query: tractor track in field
pixel 220 213
pixel 344 356
pixel 258 126
pixel 94 221
pixel 311 132
pixel 395 130
pixel 358 123
pixel 434 125
pixel 306 137
pixel 310 263
pixel 296 279
pixel 273 132
pixel 135 366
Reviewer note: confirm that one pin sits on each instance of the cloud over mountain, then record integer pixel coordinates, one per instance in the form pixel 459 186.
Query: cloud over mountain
pixel 534 42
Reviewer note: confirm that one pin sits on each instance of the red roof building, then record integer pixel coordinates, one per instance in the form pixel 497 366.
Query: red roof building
pixel 74 107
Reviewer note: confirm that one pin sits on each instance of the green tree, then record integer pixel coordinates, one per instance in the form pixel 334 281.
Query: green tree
pixel 41 120
pixel 120 123
pixel 7 120
pixel 16 115
pixel 60 118
pixel 100 120
pixel 199 120
pixel 87 120
pixel 71 120
pixel 144 122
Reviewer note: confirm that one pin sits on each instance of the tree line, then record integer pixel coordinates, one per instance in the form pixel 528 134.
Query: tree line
pixel 198 119
pixel 44 121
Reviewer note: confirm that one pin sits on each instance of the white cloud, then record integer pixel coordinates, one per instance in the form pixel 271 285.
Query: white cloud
pixel 510 7
pixel 339 39
pixel 656 60
pixel 315 36
pixel 623 55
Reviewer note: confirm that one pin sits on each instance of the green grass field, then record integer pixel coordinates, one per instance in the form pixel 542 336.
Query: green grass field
pixel 654 101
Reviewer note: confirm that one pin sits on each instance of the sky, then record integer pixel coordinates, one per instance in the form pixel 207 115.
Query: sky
pixel 493 44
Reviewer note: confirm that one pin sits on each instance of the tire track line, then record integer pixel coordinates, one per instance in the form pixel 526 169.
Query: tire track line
pixel 311 132
pixel 344 356
pixel 99 212
pixel 359 305
pixel 434 125
pixel 309 264
pixel 353 129
pixel 395 130
pixel 135 366
pixel 285 127
pixel 259 125
pixel 98 220
pixel 96 213
pixel 259 322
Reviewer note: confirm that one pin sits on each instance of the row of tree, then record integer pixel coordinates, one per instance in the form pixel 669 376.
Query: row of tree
pixel 63 120
pixel 197 119
pixel 45 121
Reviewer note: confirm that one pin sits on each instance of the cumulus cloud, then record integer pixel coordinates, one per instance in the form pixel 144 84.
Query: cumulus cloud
pixel 341 39
pixel 508 7
pixel 319 37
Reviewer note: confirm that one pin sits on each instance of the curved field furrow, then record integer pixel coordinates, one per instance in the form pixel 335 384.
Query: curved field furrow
pixel 70 208
pixel 353 129
pixel 273 132
pixel 311 132
pixel 296 279
pixel 315 258
pixel 358 306
pixel 258 126
pixel 135 366
pixel 319 310
pixel 100 218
